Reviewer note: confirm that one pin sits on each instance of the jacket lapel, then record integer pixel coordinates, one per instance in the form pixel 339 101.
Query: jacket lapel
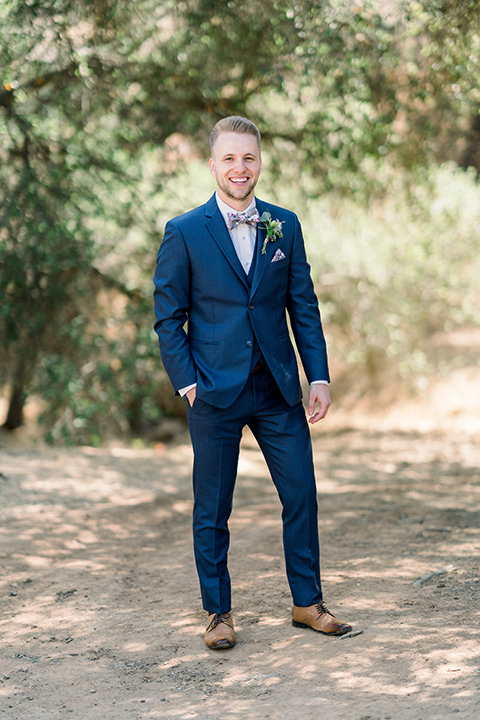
pixel 261 259
pixel 216 226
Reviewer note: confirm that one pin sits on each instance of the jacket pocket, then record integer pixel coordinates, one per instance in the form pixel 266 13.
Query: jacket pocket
pixel 278 264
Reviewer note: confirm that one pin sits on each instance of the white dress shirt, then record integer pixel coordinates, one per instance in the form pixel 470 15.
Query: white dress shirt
pixel 243 236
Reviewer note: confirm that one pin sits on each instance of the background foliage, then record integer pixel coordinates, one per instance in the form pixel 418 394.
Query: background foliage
pixel 370 119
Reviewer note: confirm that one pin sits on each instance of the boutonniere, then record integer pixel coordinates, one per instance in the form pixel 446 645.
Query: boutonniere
pixel 273 228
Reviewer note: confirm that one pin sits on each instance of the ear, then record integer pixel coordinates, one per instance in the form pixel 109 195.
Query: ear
pixel 211 165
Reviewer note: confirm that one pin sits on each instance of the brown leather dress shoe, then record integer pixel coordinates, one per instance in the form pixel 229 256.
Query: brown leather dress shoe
pixel 220 634
pixel 319 618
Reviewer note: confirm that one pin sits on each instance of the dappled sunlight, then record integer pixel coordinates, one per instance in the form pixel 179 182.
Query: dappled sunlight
pixel 251 463
pixel 236 676
pixel 100 580
pixel 284 644
pixel 185 621
pixel 183 508
pixel 374 685
pixel 135 647
pixel 454 655
pixel 271 621
pixel 247 680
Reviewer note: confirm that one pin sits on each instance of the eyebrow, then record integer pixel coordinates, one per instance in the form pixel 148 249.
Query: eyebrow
pixel 230 154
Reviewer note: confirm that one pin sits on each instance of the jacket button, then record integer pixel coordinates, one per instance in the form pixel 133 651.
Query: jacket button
pixel 251 307
pixel 249 343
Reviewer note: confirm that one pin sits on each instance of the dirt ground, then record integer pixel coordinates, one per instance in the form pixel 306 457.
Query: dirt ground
pixel 101 614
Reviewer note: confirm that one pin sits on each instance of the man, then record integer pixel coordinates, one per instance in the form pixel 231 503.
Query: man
pixel 232 269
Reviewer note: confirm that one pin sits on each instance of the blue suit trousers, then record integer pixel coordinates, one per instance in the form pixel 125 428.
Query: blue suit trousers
pixel 283 435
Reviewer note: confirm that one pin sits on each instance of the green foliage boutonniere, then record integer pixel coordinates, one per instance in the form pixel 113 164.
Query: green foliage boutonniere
pixel 273 228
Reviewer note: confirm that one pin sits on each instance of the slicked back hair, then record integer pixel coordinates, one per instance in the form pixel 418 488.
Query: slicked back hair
pixel 236 124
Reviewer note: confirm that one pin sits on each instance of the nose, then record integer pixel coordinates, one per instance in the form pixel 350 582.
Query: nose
pixel 239 166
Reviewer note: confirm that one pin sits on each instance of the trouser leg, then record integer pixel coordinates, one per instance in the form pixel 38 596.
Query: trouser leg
pixel 284 437
pixel 215 435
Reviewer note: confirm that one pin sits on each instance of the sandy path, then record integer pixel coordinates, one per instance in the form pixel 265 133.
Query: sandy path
pixel 101 615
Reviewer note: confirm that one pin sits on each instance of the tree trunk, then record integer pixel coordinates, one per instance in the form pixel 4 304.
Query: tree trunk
pixel 22 375
pixel 471 155
pixel 15 409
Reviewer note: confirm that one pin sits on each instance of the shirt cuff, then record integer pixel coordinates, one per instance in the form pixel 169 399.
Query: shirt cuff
pixel 319 382
pixel 183 391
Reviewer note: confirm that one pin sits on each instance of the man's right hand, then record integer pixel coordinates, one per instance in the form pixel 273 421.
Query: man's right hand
pixel 191 395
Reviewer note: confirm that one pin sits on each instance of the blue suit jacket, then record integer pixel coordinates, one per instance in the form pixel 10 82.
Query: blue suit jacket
pixel 207 316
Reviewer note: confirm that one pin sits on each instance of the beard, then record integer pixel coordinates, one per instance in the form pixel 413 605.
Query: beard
pixel 237 193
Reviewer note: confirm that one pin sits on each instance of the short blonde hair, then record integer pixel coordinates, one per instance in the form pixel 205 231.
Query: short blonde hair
pixel 234 123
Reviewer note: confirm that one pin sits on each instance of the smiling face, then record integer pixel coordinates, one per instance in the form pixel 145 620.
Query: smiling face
pixel 236 165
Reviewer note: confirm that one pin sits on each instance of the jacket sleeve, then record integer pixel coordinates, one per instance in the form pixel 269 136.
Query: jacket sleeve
pixel 302 306
pixel 172 302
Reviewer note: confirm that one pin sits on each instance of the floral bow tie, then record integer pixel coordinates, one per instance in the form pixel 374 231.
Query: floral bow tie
pixel 249 217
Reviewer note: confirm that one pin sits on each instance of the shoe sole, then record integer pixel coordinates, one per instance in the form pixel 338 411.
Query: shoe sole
pixel 297 624
pixel 222 645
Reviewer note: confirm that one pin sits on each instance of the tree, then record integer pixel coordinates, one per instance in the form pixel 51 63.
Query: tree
pixel 344 94
pixel 66 171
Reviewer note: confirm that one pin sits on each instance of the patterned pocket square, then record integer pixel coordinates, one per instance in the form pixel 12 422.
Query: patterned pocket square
pixel 278 256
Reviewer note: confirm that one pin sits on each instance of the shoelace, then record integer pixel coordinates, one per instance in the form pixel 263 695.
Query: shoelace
pixel 217 619
pixel 322 609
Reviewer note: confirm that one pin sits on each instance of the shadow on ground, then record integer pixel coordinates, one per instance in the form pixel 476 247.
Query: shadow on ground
pixel 101 608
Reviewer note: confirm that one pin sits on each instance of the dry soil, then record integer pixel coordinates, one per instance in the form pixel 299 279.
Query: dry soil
pixel 101 614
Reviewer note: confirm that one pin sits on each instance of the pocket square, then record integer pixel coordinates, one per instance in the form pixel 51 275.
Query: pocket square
pixel 278 256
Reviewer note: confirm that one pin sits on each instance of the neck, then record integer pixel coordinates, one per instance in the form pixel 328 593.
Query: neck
pixel 239 205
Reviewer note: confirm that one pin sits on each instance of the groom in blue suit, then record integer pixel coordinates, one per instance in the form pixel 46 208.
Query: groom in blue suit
pixel 227 274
